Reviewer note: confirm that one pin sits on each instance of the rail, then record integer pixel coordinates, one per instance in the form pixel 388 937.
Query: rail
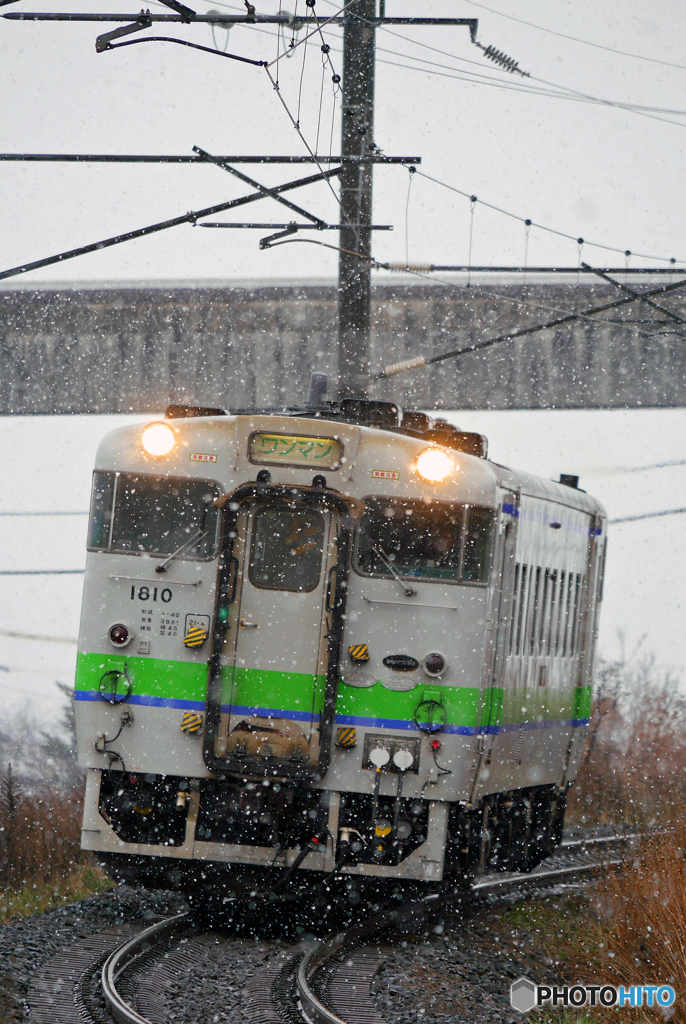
pixel 125 956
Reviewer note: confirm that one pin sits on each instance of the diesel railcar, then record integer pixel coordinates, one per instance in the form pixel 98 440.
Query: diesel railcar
pixel 327 642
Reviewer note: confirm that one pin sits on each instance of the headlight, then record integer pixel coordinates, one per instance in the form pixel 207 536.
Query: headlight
pixel 434 465
pixel 158 439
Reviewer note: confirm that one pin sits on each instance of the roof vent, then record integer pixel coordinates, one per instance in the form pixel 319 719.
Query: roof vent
pixel 569 481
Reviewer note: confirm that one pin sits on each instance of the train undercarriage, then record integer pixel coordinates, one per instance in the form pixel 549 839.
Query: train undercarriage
pixel 353 841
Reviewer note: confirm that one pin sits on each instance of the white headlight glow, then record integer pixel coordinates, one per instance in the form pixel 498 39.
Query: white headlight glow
pixel 158 439
pixel 434 465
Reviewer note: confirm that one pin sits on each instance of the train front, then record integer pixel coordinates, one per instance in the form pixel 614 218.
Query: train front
pixel 280 615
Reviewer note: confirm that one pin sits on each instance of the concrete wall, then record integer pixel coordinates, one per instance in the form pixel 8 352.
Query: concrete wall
pixel 137 348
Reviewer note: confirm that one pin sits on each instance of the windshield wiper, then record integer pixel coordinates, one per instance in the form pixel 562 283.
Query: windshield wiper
pixel 407 591
pixel 186 544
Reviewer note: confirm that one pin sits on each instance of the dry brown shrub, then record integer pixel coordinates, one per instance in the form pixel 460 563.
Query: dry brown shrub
pixel 634 767
pixel 641 934
pixel 39 834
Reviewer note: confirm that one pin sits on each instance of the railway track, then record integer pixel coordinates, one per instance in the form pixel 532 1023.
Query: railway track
pixel 117 975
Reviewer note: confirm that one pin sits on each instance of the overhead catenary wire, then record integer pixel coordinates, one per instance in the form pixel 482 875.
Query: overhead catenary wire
pixel 304 141
pixel 16 635
pixel 562 92
pixel 341 10
pixel 41 572
pixel 648 515
pixel 419 360
pixel 575 39
pixel 543 227
pixel 43 513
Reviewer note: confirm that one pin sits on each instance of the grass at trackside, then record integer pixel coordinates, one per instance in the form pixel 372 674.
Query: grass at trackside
pixel 564 932
pixel 37 897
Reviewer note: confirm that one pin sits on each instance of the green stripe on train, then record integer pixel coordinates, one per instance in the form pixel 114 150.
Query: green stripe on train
pixel 462 703
pixel 150 677
pixel 294 691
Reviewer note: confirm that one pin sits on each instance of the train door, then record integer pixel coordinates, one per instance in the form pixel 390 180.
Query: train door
pixel 278 663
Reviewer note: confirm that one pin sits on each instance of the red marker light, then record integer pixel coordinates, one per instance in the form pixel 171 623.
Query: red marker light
pixel 119 635
pixel 435 744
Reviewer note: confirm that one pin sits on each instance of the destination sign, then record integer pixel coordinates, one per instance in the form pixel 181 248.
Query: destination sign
pixel 287 450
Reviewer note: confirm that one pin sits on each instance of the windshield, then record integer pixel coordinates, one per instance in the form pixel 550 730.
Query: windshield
pixel 425 540
pixel 154 514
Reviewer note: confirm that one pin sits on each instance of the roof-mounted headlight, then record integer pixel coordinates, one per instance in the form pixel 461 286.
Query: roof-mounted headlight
pixel 158 439
pixel 434 465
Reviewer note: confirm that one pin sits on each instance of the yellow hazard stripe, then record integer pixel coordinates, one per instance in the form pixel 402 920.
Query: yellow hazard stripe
pixel 346 737
pixel 191 722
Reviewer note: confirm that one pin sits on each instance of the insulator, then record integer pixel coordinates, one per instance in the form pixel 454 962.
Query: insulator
pixel 398 268
pixel 406 364
pixel 498 57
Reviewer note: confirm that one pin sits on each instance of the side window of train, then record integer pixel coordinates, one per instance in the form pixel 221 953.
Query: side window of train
pixel 424 540
pixel 161 515
pixel 286 549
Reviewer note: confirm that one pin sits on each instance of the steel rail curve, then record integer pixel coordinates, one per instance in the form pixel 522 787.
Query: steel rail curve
pixel 124 956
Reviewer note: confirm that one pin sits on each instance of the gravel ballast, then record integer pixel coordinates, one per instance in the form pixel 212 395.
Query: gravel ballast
pixel 460 969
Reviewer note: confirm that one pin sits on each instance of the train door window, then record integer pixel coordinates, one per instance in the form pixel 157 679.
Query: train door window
pixel 515 604
pixel 161 515
pixel 286 550
pixel 477 545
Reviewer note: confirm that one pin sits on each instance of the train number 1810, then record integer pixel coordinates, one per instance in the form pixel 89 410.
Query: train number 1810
pixel 143 594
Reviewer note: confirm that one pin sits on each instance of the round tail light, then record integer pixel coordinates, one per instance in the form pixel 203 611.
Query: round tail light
pixel 434 664
pixel 119 635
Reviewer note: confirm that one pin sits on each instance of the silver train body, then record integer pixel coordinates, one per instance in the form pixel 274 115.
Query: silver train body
pixel 332 642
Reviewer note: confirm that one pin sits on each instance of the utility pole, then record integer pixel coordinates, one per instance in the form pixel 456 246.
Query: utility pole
pixel 357 139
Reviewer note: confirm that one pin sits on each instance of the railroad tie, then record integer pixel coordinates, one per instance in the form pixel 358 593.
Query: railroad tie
pixel 55 994
pixel 268 1000
pixel 348 992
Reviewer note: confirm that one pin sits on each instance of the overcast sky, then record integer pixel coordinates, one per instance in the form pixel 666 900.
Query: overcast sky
pixel 606 174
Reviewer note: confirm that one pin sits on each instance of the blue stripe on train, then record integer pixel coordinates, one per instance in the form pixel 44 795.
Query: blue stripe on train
pixel 304 716
pixel 149 702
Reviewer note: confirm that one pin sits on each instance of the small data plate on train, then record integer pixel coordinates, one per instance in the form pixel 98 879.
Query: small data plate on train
pixel 288 450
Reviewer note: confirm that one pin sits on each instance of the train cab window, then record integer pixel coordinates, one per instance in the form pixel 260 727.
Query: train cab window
pixel 424 540
pixel 477 542
pixel 134 513
pixel 286 550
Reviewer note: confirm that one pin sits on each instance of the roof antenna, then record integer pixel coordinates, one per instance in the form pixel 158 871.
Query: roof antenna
pixel 318 386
